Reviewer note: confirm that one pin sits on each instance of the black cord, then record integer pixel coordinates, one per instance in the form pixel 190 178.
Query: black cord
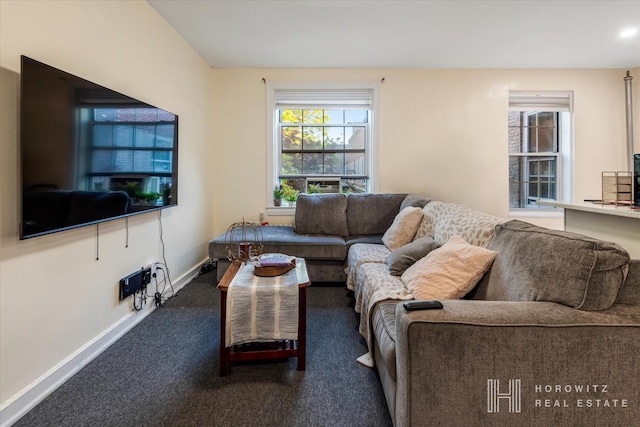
pixel 164 258
pixel 97 241
pixel 141 295
pixel 163 296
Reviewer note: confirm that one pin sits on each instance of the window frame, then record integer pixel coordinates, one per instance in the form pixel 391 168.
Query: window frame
pixel 135 126
pixel 89 176
pixel 274 148
pixel 560 103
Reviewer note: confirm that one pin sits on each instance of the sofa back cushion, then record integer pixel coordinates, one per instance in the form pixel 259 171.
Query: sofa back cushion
pixel 416 200
pixel 539 264
pixel 630 290
pixel 321 214
pixel 372 213
pixel 444 220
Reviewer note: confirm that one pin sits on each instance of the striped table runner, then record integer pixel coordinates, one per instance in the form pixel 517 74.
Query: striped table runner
pixel 261 309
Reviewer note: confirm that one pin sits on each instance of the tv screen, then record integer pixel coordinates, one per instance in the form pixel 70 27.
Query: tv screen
pixel 90 154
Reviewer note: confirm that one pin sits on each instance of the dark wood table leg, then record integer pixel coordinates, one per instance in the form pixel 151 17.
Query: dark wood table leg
pixel 302 328
pixel 225 364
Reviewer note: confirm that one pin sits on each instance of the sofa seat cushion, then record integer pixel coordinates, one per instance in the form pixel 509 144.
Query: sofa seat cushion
pixel 359 254
pixel 374 284
pixel 322 214
pixel 384 330
pixel 368 238
pixel 538 264
pixel 283 239
pixel 442 220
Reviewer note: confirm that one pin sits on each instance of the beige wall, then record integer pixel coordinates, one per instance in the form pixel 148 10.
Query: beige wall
pixel 55 297
pixel 442 133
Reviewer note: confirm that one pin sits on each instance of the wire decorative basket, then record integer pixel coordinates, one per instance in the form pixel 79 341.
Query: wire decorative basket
pixel 243 241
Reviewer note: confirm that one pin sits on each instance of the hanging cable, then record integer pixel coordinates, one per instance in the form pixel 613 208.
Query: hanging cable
pixel 143 299
pixel 164 294
pixel 97 241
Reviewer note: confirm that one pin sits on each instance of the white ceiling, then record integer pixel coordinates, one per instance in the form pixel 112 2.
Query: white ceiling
pixel 408 34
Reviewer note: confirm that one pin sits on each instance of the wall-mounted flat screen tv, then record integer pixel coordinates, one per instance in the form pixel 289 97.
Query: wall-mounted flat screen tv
pixel 90 154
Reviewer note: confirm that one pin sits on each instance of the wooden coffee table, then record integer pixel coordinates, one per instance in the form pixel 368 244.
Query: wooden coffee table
pixel 271 350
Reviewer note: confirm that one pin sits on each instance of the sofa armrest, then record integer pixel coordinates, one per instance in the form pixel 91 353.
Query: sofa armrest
pixel 574 367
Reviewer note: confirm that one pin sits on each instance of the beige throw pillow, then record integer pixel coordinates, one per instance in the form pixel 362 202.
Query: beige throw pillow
pixel 448 272
pixel 403 229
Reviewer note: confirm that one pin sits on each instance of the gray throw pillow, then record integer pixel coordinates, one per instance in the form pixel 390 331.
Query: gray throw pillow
pixel 404 257
pixel 416 200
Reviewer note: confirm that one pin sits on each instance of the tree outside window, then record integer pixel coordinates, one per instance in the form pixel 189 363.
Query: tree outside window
pixel 323 143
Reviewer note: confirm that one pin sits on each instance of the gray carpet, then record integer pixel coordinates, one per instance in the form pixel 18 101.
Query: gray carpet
pixel 164 372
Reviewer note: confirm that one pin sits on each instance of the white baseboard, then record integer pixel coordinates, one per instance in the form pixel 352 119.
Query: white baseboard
pixel 17 406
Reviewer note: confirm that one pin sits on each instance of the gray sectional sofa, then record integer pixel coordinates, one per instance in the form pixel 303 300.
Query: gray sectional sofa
pixel 326 226
pixel 549 334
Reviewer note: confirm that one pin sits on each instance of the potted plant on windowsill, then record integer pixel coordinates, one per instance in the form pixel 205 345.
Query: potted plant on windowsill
pixel 278 194
pixel 289 193
pixel 314 189
pixel 147 199
pixel 165 191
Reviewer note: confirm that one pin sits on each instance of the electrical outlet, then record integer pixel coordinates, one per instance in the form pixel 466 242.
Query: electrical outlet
pixel 261 216
pixel 134 282
pixel 146 277
pixel 159 270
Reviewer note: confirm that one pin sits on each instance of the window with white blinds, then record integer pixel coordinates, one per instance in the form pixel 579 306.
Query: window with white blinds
pixel 322 137
pixel 540 128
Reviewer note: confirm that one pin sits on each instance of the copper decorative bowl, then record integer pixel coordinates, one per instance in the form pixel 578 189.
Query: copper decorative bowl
pixel 270 265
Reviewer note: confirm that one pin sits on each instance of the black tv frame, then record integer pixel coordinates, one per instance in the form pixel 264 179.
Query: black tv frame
pixel 107 98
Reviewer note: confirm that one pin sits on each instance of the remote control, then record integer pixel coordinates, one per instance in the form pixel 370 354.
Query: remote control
pixel 422 305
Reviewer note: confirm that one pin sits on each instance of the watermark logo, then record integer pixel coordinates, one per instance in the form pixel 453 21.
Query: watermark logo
pixel 512 396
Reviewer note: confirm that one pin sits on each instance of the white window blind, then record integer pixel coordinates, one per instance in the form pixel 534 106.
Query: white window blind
pixel 348 99
pixel 540 101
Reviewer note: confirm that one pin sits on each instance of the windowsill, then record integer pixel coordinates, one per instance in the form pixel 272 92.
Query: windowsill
pixel 536 213
pixel 281 210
